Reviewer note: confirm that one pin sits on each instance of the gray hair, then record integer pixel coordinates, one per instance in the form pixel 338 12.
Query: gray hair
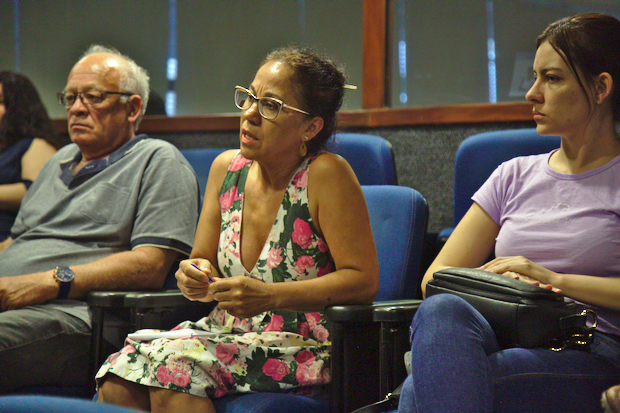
pixel 133 79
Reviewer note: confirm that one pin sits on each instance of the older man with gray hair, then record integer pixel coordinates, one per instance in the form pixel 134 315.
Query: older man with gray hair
pixel 110 211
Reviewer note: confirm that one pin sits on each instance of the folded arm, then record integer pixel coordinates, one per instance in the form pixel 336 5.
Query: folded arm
pixel 143 268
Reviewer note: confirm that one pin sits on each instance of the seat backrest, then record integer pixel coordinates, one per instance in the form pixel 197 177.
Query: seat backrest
pixel 370 156
pixel 398 217
pixel 479 155
pixel 201 160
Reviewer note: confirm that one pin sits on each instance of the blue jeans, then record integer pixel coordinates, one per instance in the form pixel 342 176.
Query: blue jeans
pixel 457 366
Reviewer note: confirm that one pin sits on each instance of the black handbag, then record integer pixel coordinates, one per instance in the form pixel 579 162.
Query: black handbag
pixel 521 314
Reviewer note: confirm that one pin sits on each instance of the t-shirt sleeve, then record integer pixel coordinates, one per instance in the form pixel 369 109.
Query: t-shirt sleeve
pixel 167 212
pixel 489 196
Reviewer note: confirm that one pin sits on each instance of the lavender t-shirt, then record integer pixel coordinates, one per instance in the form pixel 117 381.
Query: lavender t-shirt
pixel 567 223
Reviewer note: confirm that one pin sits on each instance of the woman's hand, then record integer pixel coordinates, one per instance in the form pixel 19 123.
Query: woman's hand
pixel 520 268
pixel 193 279
pixel 243 296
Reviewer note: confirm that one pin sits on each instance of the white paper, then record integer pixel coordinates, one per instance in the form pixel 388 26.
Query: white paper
pixel 146 335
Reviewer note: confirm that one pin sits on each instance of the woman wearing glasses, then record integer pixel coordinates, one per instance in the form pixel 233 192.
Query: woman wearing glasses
pixel 27 140
pixel 283 233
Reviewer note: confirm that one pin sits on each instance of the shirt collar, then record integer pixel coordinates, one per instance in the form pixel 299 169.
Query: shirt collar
pixel 97 165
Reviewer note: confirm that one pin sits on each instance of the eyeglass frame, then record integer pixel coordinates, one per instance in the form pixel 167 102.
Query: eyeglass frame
pixel 61 95
pixel 257 100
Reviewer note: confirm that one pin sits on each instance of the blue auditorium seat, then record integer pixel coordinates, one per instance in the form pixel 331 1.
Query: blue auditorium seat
pixel 50 404
pixel 370 156
pixel 479 155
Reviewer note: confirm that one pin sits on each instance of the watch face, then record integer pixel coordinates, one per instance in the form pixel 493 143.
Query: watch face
pixel 64 274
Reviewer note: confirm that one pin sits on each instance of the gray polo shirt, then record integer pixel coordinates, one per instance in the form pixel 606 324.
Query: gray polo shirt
pixel 144 193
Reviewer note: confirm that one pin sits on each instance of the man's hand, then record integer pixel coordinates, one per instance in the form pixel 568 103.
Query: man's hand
pixel 22 290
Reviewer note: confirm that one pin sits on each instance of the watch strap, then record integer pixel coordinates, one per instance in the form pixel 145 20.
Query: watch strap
pixel 63 290
pixel 64 285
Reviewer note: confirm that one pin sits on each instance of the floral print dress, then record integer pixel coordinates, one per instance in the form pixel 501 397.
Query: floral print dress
pixel 277 351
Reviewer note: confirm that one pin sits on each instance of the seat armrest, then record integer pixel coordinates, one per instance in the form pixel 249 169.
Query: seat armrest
pixel 360 313
pixel 355 355
pixel 394 319
pixel 157 299
pixel 163 309
pixel 106 299
pixel 397 311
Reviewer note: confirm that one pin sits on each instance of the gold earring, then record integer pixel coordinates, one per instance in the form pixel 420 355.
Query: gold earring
pixel 302 149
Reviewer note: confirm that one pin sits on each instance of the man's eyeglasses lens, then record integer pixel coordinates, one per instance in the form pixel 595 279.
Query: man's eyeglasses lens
pixel 68 98
pixel 269 108
pixel 91 97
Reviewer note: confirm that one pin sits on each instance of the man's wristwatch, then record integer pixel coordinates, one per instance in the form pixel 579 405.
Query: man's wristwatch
pixel 64 276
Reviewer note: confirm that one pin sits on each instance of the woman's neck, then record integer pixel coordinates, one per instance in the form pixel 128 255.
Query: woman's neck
pixel 277 176
pixel 586 151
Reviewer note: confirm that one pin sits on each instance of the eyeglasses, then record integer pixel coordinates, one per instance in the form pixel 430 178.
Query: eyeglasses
pixel 91 97
pixel 269 108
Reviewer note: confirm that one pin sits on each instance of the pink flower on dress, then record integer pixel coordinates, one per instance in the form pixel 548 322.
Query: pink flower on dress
pixel 303 329
pixel 301 233
pixel 304 356
pixel 275 258
pixel 325 270
pixel 275 369
pixel 306 375
pixel 127 350
pixel 228 199
pixel 180 377
pixel 226 352
pixel 301 179
pixel 225 376
pixel 276 323
pixel 313 318
pixel 220 392
pixel 320 333
pixel 323 247
pixel 303 262
pixel 231 237
pixel 237 163
pixel 163 375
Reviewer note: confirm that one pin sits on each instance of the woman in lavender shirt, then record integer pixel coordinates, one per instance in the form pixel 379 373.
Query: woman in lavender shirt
pixel 552 220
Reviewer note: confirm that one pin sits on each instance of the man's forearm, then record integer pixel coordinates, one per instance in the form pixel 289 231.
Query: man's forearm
pixel 5 243
pixel 141 269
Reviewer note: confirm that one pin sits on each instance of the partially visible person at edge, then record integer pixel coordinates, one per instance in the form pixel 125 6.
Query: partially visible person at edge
pixel 552 220
pixel 284 232
pixel 110 211
pixel 27 140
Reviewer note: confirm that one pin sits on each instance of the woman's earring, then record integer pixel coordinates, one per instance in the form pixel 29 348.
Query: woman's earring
pixel 302 149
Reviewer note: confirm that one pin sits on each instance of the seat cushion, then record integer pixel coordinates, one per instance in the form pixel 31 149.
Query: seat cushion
pixel 271 403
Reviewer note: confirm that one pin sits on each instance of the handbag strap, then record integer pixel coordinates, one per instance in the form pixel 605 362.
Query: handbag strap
pixel 577 334
pixel 388 404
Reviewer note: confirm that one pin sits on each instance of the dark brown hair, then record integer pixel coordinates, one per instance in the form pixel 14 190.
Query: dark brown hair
pixel 25 116
pixel 589 43
pixel 319 83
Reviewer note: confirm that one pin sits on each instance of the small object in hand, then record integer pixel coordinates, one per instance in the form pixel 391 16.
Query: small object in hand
pixel 195 266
